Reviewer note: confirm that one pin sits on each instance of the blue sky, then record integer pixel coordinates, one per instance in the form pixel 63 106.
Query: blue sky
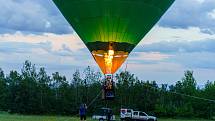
pixel 183 39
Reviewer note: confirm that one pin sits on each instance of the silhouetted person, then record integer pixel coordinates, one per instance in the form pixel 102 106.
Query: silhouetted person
pixel 109 114
pixel 83 112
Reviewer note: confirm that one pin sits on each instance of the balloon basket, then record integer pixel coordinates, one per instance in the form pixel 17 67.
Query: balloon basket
pixel 108 92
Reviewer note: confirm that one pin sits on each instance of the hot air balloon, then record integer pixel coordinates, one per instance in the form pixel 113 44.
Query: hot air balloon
pixel 112 28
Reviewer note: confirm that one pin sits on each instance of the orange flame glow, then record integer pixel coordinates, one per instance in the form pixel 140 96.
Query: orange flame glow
pixel 109 61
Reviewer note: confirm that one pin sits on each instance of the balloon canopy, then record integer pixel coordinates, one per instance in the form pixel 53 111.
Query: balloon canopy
pixel 112 28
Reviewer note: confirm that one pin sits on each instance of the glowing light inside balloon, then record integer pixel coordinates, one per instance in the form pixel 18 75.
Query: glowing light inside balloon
pixel 108 59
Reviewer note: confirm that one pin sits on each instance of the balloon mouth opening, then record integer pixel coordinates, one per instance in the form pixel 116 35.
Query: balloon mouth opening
pixel 109 60
pixel 110 55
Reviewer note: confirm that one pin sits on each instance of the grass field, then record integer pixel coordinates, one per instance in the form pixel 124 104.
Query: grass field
pixel 8 117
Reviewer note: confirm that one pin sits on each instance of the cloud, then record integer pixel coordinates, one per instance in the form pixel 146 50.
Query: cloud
pixel 195 56
pixel 162 72
pixel 196 60
pixel 212 14
pixel 17 47
pixel 189 54
pixel 168 73
pixel 178 47
pixel 58 42
pixel 148 57
pixel 162 34
pixel 189 13
pixel 171 69
pixel 13 54
pixel 32 15
pixel 200 1
pixel 64 53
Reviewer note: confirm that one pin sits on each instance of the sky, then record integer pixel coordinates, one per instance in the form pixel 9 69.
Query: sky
pixel 183 39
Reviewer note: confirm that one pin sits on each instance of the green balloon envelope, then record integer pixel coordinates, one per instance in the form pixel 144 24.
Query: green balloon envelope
pixel 117 25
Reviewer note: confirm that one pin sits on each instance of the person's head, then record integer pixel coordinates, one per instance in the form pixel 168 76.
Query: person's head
pixel 82 105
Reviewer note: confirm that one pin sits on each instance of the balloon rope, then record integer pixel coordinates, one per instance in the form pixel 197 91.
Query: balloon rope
pixel 185 95
pixel 94 99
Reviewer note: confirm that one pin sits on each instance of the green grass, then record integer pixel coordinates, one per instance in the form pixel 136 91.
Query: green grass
pixel 8 117
pixel 183 120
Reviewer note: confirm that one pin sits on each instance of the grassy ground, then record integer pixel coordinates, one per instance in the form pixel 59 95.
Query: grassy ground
pixel 8 117
pixel 183 120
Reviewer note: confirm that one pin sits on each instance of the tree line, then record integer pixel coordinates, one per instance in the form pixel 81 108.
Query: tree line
pixel 33 91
